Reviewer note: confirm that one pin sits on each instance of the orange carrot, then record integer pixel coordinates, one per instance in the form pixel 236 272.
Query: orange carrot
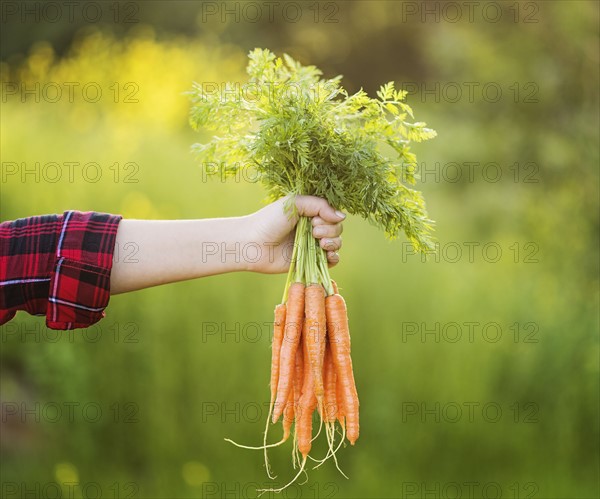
pixel 291 337
pixel 307 403
pixel 288 414
pixel 314 303
pixel 304 430
pixel 339 334
pixel 298 376
pixel 298 382
pixel 339 400
pixel 278 325
pixel 329 381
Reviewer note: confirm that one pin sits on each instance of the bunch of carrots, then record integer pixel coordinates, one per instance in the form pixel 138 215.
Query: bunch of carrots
pixel 311 366
pixel 354 151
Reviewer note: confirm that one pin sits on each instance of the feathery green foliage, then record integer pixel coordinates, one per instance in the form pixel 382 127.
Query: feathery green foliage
pixel 301 134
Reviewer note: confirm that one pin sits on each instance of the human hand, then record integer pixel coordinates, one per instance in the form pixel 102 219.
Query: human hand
pixel 274 230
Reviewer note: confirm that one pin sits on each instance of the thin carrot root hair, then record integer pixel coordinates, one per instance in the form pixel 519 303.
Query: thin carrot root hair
pixel 295 452
pixel 319 430
pixel 293 480
pixel 257 447
pixel 265 447
pixel 334 452
pixel 329 447
pixel 331 453
pixel 330 432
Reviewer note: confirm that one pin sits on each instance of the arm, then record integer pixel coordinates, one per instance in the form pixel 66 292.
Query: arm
pixel 176 250
pixel 64 267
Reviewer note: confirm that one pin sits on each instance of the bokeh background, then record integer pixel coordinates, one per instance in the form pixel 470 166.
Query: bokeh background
pixel 477 370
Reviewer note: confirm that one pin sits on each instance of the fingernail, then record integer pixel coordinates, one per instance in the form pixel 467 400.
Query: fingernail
pixel 340 214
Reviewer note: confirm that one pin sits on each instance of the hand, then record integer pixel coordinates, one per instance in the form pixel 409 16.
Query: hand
pixel 274 230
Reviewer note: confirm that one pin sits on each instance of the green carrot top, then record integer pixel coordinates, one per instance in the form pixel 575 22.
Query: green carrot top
pixel 302 134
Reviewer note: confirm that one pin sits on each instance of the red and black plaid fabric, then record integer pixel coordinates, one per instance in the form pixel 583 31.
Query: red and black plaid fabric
pixel 58 266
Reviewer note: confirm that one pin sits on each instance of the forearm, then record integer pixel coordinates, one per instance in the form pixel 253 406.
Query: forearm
pixel 164 251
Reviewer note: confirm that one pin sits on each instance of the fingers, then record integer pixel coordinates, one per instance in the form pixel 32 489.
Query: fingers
pixel 332 258
pixel 331 244
pixel 323 229
pixel 312 206
pixel 326 222
pixel 327 233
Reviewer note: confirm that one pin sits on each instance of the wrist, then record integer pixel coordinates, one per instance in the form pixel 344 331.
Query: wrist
pixel 259 252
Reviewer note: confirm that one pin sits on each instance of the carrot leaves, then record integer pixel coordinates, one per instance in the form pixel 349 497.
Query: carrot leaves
pixel 299 133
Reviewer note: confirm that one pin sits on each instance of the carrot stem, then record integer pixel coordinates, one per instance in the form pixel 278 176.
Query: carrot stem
pixel 293 265
pixel 324 270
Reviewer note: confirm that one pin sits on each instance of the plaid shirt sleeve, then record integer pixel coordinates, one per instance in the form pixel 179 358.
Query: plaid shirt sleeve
pixel 58 266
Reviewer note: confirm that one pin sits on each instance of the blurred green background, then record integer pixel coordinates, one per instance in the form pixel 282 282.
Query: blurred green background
pixel 477 370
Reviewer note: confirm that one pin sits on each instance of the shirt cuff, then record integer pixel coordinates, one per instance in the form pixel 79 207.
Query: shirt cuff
pixel 80 284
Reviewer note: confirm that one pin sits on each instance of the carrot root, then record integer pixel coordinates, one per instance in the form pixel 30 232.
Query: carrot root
pixel 294 320
pixel 277 491
pixel 265 447
pixel 257 447
pixel 332 452
pixel 311 371
pixel 337 326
